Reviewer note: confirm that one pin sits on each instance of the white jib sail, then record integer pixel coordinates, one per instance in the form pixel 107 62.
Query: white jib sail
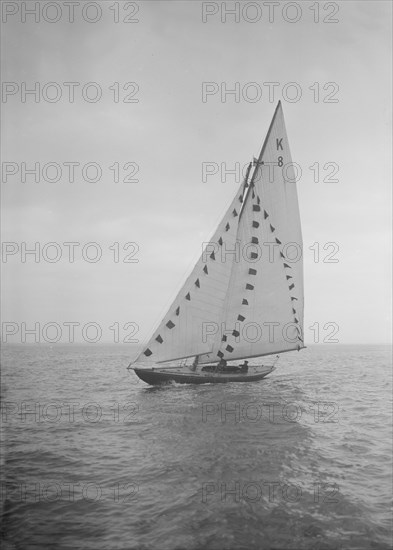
pixel 186 328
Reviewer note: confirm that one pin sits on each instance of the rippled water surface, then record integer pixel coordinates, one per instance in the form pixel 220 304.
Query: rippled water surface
pixel 96 459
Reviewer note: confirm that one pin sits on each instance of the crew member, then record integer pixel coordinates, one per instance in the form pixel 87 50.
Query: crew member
pixel 221 365
pixel 244 367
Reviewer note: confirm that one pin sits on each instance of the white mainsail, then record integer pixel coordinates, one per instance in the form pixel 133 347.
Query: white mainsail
pixel 250 303
pixel 263 311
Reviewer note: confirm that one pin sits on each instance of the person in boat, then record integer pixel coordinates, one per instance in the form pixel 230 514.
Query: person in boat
pixel 195 364
pixel 244 366
pixel 222 365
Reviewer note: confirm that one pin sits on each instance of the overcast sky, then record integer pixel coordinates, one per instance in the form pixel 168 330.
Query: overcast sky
pixel 170 132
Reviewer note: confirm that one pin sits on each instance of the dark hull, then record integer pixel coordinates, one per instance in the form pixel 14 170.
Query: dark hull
pixel 155 377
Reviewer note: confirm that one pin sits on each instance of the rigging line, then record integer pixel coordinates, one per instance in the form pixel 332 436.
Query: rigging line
pixel 266 138
pixel 247 189
pixel 251 184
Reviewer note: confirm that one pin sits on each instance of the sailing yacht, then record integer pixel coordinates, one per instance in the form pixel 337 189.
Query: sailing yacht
pixel 244 298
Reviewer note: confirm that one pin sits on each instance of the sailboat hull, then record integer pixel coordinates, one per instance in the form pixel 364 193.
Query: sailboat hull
pixel 156 376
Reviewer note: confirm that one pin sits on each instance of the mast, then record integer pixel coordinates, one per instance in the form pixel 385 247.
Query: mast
pixel 263 310
pixel 251 183
pixel 278 107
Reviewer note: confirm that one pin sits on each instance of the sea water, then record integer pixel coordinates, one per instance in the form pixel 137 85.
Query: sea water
pixel 93 458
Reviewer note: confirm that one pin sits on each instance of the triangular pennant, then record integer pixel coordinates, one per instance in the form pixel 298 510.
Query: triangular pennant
pixel 188 297
pixel 159 339
pixel 227 227
pixel 212 256
pixel 205 269
pixel 240 318
pixel 177 311
pixel 278 241
pixel 234 213
pixel 265 214
pixel 288 266
pixel 220 241
pixel 293 298
pixel 258 200
pixel 197 283
pixel 291 286
pixel 282 255
pixel 147 352
pixel 293 310
pixel 244 302
pixel 289 277
pixel 272 229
